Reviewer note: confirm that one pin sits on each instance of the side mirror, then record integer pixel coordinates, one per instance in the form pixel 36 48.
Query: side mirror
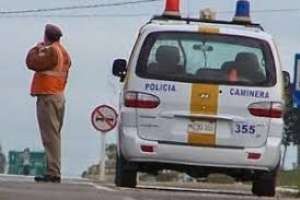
pixel 286 79
pixel 119 68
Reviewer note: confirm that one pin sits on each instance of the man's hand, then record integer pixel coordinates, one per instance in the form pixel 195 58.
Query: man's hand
pixel 40 45
pixel 41 58
pixel 41 48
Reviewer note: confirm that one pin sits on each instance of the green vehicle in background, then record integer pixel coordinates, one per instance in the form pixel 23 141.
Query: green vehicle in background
pixel 27 163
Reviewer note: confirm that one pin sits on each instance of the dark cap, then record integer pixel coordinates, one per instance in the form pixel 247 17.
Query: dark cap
pixel 52 32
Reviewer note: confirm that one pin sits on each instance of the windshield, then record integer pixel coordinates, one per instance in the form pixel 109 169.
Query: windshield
pixel 194 57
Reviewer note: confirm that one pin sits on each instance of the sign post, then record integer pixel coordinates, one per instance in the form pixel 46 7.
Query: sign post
pixel 104 119
pixel 102 159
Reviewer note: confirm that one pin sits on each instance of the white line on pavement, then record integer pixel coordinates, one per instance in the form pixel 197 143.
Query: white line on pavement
pixel 16 178
pixel 128 198
pixel 99 187
pixel 194 190
pixel 288 190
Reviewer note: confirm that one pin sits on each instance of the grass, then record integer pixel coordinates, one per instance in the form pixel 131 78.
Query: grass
pixel 289 178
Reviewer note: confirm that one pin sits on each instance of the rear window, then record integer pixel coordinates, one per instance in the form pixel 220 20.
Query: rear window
pixel 206 58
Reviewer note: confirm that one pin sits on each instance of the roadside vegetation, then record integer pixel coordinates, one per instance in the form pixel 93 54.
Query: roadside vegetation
pixel 290 178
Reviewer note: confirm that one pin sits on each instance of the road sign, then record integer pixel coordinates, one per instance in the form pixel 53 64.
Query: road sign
pixel 104 118
pixel 297 81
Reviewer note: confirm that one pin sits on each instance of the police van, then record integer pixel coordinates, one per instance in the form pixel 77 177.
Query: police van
pixel 201 96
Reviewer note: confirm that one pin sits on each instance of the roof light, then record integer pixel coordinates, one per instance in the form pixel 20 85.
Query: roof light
pixel 172 9
pixel 242 13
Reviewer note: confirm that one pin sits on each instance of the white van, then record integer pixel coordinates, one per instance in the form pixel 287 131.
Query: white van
pixel 201 97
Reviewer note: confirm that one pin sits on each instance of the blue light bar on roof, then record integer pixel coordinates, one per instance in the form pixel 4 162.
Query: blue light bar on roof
pixel 242 13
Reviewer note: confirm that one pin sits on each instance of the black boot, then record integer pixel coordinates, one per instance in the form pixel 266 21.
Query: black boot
pixel 47 178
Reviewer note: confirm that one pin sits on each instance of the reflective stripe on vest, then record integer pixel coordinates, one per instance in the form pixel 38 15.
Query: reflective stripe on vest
pixel 52 81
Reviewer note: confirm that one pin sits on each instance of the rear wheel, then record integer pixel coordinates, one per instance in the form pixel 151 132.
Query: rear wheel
pixel 126 173
pixel 264 184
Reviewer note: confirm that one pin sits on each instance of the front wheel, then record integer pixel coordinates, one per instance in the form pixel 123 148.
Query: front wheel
pixel 126 174
pixel 264 184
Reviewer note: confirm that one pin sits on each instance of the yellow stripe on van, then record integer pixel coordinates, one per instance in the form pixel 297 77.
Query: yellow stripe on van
pixel 201 139
pixel 204 100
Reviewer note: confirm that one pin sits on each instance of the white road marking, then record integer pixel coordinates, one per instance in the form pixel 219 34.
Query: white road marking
pixel 16 178
pixel 100 187
pixel 288 190
pixel 66 180
pixel 21 178
pixel 195 190
pixel 128 198
pixel 224 194
pixel 75 179
pixel 211 193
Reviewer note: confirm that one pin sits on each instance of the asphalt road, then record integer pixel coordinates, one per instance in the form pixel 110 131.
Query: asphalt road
pixel 21 188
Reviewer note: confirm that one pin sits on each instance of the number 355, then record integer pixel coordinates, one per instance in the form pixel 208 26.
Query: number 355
pixel 244 128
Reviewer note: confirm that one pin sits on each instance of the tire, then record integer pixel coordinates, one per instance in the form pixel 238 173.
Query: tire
pixel 264 185
pixel 126 173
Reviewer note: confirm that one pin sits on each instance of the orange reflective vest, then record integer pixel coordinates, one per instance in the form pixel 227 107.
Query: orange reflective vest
pixel 52 81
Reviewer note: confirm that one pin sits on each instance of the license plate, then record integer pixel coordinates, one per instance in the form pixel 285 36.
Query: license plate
pixel 202 127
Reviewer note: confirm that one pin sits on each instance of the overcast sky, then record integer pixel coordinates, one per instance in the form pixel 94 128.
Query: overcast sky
pixel 93 43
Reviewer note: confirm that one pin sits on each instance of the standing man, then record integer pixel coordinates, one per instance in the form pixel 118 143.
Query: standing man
pixel 50 62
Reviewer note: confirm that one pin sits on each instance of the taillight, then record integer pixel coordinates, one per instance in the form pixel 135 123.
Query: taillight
pixel 140 100
pixel 254 156
pixel 147 148
pixel 266 109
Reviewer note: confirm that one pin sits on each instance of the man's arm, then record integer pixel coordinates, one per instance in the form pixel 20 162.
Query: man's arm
pixel 41 58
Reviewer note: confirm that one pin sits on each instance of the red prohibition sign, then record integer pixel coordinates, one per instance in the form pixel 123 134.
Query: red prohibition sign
pixel 104 118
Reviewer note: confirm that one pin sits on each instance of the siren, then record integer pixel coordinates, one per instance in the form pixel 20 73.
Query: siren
pixel 172 9
pixel 242 13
